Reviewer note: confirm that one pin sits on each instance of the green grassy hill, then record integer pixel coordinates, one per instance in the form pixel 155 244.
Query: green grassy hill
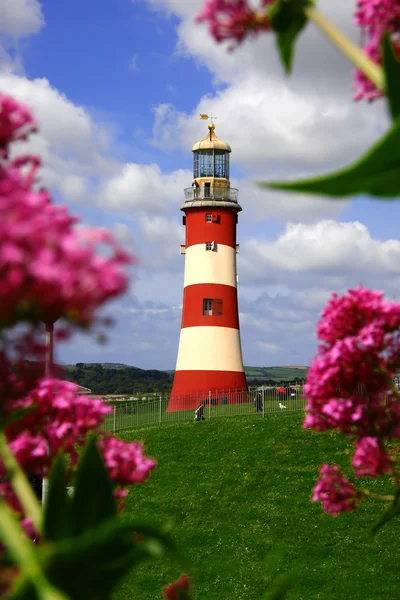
pixel 275 373
pixel 237 490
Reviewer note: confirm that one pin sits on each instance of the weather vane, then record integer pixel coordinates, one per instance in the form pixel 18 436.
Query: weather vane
pixel 206 117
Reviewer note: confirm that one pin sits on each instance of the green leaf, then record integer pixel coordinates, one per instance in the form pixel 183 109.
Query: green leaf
pixel 26 556
pixel 389 514
pixel 377 173
pixel 17 415
pixel 392 73
pixel 93 500
pixel 90 566
pixel 287 20
pixel 57 512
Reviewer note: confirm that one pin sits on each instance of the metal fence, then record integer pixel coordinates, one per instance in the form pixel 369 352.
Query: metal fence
pixel 211 193
pixel 151 410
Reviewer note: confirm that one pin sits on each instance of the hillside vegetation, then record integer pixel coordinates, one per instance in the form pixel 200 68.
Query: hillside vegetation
pixel 117 378
pixel 237 490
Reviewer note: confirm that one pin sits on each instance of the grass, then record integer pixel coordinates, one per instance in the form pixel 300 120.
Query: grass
pixel 139 413
pixel 276 373
pixel 237 490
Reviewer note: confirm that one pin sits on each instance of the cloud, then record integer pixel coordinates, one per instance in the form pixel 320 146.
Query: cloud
pixel 276 125
pixel 72 148
pixel 321 254
pixel 158 243
pixel 261 204
pixel 144 187
pixel 20 18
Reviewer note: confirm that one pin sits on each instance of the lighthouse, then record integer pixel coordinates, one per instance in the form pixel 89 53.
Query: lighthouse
pixel 209 365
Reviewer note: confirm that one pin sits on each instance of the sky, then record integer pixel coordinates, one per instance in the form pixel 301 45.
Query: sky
pixel 117 87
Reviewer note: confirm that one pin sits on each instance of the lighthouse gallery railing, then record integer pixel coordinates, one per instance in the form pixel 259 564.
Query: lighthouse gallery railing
pixel 211 193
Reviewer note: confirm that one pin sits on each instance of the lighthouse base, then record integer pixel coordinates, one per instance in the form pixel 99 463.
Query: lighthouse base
pixel 191 388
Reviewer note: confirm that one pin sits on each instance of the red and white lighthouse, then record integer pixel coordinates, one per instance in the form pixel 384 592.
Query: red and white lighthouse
pixel 209 356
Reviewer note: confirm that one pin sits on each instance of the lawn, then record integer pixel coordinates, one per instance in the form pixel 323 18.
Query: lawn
pixel 235 491
pixel 138 413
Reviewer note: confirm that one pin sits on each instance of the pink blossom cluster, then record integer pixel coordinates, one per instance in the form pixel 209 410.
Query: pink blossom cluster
pixel 60 421
pixel 125 461
pixel 375 17
pixel 179 590
pixel 16 123
pixel 349 387
pixel 335 492
pixel 233 19
pixel 48 267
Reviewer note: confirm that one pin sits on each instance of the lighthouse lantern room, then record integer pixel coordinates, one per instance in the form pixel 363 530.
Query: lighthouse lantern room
pixel 209 359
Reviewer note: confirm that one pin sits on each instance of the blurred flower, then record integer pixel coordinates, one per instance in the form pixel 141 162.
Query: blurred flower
pixel 375 17
pixel 179 590
pixel 335 492
pixel 370 459
pixel 233 19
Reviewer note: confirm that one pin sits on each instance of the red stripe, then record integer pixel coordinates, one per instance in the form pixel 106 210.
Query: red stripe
pixel 192 387
pixel 198 231
pixel 192 311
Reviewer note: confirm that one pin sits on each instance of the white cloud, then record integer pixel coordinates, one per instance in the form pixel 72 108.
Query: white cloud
pixel 260 204
pixel 326 252
pixel 71 145
pixel 276 125
pixel 20 18
pixel 144 187
pixel 158 243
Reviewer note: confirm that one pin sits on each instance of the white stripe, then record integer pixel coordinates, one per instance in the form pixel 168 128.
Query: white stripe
pixel 210 266
pixel 209 349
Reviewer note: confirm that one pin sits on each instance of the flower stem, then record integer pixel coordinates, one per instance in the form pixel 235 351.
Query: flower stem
pixel 20 484
pixel 346 46
pixel 385 497
pixel 23 552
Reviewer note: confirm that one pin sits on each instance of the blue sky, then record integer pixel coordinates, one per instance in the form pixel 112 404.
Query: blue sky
pixel 117 87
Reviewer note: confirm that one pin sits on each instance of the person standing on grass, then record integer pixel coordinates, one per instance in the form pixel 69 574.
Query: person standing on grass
pixel 199 413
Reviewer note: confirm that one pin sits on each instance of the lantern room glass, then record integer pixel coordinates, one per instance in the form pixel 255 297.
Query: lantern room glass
pixel 211 163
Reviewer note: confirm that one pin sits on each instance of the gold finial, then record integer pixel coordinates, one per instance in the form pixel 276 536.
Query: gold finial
pixel 206 118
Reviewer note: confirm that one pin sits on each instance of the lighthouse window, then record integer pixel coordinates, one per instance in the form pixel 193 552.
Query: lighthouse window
pixel 212 307
pixel 211 246
pixel 207 306
pixel 206 163
pixel 221 164
pixel 209 218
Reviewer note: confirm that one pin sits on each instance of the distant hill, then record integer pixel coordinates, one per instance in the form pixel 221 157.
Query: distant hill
pixel 117 378
pixel 275 373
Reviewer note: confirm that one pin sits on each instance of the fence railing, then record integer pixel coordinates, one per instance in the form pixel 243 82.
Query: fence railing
pixel 211 193
pixel 261 401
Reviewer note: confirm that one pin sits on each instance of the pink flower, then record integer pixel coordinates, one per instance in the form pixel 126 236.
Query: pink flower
pixel 16 122
pixel 347 315
pixel 61 420
pixel 335 492
pixel 125 461
pixel 31 451
pixel 375 17
pixel 48 268
pixel 233 19
pixel 179 590
pixel 348 385
pixel 370 459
